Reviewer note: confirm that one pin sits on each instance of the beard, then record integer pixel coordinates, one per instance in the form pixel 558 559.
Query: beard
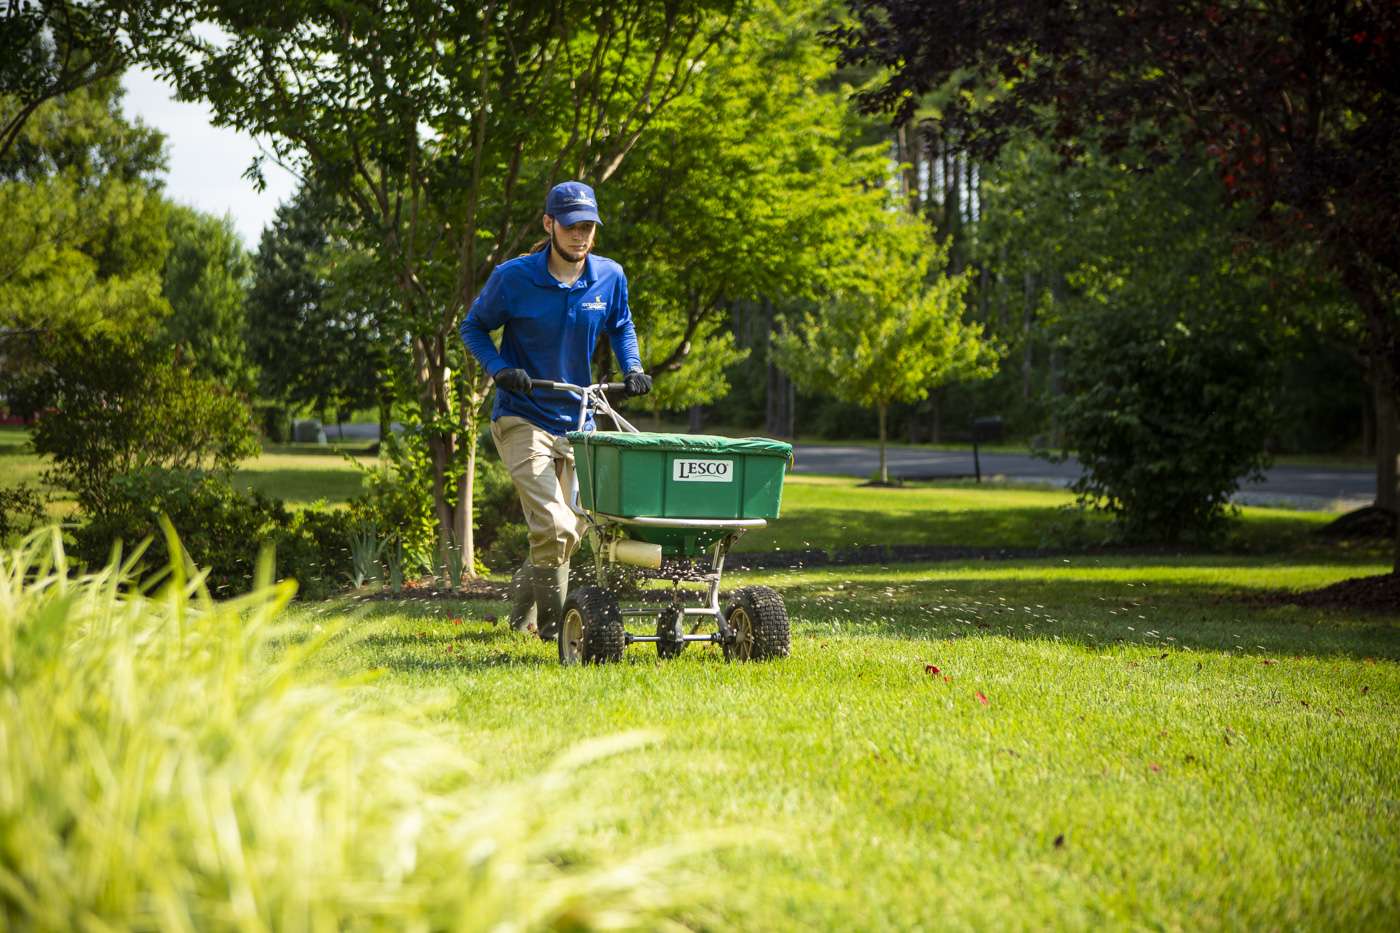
pixel 564 254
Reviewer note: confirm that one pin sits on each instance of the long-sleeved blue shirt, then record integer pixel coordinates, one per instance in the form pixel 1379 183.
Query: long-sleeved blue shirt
pixel 549 329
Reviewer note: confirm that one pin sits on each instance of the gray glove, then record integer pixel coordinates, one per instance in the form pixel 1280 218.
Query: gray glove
pixel 514 380
pixel 637 382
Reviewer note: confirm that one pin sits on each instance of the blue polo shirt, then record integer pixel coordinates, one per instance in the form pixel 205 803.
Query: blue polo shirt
pixel 549 329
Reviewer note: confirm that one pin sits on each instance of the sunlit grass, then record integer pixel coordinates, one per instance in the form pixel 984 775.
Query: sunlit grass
pixel 1153 716
pixel 831 513
pixel 301 478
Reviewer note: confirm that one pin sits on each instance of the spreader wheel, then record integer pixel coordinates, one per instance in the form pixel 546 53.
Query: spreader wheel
pixel 591 630
pixel 759 622
pixel 669 640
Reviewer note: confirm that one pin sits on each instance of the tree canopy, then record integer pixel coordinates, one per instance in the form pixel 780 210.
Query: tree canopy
pixel 84 236
pixel 891 327
pixel 440 126
pixel 206 278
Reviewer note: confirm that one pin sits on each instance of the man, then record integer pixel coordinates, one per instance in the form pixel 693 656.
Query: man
pixel 550 305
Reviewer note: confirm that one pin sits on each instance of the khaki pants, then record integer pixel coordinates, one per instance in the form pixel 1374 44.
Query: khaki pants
pixel 542 467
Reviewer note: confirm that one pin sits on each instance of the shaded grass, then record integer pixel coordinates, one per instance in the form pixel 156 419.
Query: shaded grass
pixel 1203 760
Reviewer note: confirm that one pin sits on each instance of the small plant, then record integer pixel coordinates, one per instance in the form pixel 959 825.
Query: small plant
pixel 395 560
pixel 453 563
pixel 366 549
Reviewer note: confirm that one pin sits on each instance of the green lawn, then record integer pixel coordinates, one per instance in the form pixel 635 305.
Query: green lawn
pixel 1156 748
pixel 832 512
pixel 1126 740
pixel 301 475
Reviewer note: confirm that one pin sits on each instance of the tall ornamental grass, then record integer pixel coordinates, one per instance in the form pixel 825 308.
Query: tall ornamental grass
pixel 168 762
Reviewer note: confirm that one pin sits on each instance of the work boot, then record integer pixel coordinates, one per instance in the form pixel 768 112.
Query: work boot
pixel 551 585
pixel 522 600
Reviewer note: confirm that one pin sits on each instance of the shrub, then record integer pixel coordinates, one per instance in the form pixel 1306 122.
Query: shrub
pixel 21 511
pixel 398 501
pixel 508 548
pixel 173 763
pixel 223 531
pixel 497 506
pixel 314 549
pixel 402 514
pixel 119 406
pixel 1166 413
pixel 222 527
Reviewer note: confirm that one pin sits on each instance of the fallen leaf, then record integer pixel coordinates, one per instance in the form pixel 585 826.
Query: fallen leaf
pixel 1267 661
pixel 932 670
pixel 1154 766
pixel 982 698
pixel 1060 841
pixel 947 679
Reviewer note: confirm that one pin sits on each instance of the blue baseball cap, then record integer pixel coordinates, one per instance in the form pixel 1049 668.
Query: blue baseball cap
pixel 570 202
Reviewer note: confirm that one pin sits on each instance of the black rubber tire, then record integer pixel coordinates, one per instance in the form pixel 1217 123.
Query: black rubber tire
pixel 667 646
pixel 602 639
pixel 759 620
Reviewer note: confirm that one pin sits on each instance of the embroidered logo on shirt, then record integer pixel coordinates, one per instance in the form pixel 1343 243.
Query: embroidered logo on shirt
pixel 597 304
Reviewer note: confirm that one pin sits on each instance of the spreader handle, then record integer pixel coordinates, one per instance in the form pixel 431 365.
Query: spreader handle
pixel 570 387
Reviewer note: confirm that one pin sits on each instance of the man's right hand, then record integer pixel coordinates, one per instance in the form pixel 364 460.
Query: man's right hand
pixel 514 380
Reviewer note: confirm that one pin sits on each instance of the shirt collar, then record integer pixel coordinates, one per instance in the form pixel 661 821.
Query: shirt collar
pixel 539 266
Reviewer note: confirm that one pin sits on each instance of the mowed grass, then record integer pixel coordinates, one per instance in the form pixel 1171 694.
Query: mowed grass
pixel 1065 742
pixel 299 474
pixel 1051 743
pixel 302 474
pixel 836 512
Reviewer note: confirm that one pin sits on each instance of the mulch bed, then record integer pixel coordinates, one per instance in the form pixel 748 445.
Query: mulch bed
pixel 1380 594
pixel 908 554
pixel 1370 522
pixel 429 590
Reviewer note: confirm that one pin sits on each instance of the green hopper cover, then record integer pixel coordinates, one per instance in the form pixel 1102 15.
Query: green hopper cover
pixel 684 443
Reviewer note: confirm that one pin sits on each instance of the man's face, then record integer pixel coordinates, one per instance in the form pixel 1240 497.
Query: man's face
pixel 572 243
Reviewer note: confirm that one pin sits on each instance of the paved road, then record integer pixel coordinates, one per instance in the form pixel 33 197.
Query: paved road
pixel 1302 487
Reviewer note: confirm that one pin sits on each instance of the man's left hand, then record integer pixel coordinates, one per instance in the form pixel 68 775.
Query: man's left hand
pixel 638 383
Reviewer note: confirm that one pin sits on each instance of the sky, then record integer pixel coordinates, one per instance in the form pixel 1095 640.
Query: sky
pixel 207 162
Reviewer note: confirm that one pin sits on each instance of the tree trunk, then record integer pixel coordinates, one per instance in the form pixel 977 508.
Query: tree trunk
pixel 1028 286
pixel 1368 420
pixel 466 493
pixel 1387 444
pixel 385 417
pixel 697 419
pixel 1383 365
pixel 935 435
pixel 884 466
pixel 777 415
